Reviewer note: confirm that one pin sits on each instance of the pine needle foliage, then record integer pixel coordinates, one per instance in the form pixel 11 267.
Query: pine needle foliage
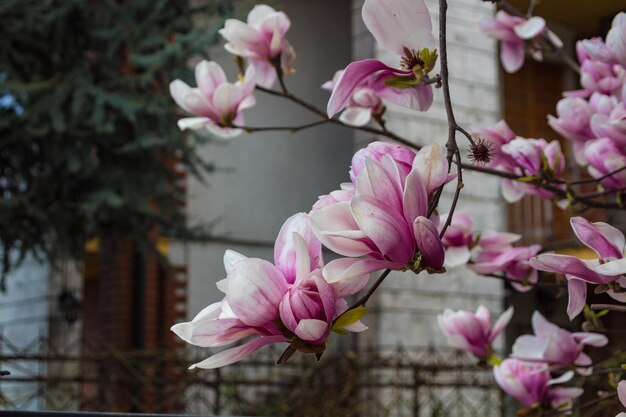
pixel 88 135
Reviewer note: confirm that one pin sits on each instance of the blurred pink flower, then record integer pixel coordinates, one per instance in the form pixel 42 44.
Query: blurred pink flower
pixel 497 135
pixel 473 332
pixel 514 32
pixel 604 157
pixel 531 385
pixel 458 239
pixel 513 262
pixel 262 42
pixel 216 102
pixel 363 104
pixel 556 346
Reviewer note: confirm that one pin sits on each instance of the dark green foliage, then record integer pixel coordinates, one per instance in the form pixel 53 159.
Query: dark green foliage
pixel 87 123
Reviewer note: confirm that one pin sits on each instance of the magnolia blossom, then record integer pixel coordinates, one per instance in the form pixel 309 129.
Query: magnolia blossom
pixel 473 332
pixel 610 267
pixel 382 217
pixel 514 32
pixel 288 301
pixel 363 104
pixel 511 261
pixel 531 385
pixel 599 71
pixel 216 102
pixel 262 42
pixel 458 239
pixel 401 155
pixel 531 158
pixel 556 346
pixel 605 157
pixel 404 28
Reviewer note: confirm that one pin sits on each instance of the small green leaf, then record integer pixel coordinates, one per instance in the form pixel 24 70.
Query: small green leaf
pixel 527 179
pixel 349 317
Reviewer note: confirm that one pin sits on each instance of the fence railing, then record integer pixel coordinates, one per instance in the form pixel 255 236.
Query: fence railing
pixel 420 383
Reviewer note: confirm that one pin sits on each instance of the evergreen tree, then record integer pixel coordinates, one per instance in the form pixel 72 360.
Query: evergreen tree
pixel 88 138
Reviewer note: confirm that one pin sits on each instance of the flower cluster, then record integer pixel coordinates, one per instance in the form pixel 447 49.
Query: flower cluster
pixel 488 252
pixel 288 301
pixel 218 104
pixel 536 161
pixel 594 118
pixel 525 376
pixel 607 271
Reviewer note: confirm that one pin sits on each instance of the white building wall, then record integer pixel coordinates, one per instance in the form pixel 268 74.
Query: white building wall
pixel 403 311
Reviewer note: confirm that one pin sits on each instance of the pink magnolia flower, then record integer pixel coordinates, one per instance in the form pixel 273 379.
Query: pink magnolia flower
pixel 363 104
pixel 497 135
pixel 262 42
pixel 514 32
pixel 530 384
pixel 216 102
pixel 458 239
pixel 534 158
pixel 597 75
pixel 473 332
pixel 513 262
pixel 602 104
pixel 288 301
pixel 385 217
pixel 608 243
pixel 605 157
pixel 595 49
pixel 556 346
pixel 403 27
pixel 491 240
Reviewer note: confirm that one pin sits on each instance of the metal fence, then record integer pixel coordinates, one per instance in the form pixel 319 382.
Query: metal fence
pixel 429 382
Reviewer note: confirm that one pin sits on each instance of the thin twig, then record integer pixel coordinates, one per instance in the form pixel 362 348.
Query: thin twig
pixel 252 129
pixel 592 180
pixel 612 307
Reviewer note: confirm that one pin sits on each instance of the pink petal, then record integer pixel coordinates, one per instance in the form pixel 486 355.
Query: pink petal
pixel 541 326
pixel 566 264
pixel 457 256
pixel 596 239
pixel 617 267
pixel 348 276
pixel 385 227
pixel 419 97
pixel 432 165
pixel 530 347
pixel 264 72
pixel 396 24
pixel 190 99
pixel 577 292
pixel 286 247
pixel 530 28
pixel 591 339
pixel 428 243
pixel 212 332
pixel 231 258
pixel 232 355
pixel 255 289
pixel 501 323
pixel 512 56
pixel 209 75
pixel 353 76
pixel 621 392
pixel 311 330
pixel 258 14
pixel 356 116
pixel 415 198
pixel 511 191
pixel 336 228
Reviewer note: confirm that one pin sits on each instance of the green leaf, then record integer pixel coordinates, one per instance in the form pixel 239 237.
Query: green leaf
pixel 341 332
pixel 348 318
